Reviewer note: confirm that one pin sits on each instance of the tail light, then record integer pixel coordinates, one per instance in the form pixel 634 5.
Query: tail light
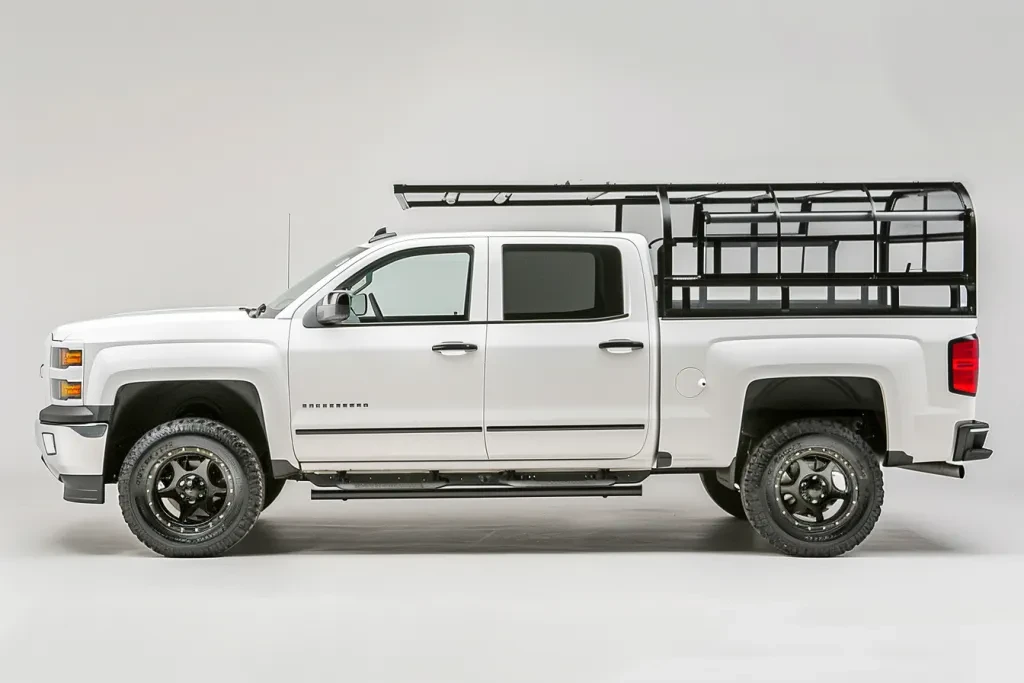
pixel 963 366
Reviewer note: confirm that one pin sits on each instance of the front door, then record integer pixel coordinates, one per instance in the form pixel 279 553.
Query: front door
pixel 569 358
pixel 402 380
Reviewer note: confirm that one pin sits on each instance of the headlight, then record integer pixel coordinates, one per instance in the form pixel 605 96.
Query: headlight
pixel 68 390
pixel 68 358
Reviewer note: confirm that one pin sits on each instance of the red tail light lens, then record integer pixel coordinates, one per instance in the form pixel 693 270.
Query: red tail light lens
pixel 963 366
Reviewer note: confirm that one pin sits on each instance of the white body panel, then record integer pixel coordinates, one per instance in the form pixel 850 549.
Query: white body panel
pixel 685 387
pixel 906 356
pixel 199 344
pixel 370 392
pixel 380 393
pixel 74 449
pixel 551 392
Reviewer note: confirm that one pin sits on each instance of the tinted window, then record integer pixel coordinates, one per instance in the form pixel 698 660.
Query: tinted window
pixel 416 286
pixel 561 282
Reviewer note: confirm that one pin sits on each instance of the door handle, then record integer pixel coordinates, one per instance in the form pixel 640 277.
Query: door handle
pixel 453 348
pixel 620 345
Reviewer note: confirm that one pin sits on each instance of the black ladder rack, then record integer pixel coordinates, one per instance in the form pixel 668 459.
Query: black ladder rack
pixel 875 205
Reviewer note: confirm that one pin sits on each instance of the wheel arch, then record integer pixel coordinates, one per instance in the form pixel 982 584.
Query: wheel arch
pixel 140 406
pixel 768 402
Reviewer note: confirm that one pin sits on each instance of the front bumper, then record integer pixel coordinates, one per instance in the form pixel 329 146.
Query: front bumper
pixel 74 455
pixel 969 441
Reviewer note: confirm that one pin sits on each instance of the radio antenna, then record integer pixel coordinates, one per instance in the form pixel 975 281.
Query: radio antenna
pixel 288 255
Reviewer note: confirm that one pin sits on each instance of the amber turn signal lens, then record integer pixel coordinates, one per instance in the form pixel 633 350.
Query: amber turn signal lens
pixel 70 357
pixel 70 390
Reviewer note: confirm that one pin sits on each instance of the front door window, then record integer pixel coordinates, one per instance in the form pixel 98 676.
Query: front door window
pixel 416 286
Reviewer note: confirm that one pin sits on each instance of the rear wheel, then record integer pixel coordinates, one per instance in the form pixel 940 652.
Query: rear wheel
pixel 192 487
pixel 724 497
pixel 812 488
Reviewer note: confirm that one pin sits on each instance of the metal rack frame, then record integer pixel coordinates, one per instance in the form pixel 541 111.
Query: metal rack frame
pixel 764 203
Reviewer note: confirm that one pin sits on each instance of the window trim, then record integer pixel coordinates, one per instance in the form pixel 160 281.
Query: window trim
pixel 563 246
pixel 309 318
pixel 560 321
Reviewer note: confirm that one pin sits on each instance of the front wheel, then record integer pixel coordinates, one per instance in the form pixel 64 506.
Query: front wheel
pixel 812 488
pixel 191 487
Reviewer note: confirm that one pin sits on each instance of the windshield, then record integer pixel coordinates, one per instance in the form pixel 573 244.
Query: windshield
pixel 296 290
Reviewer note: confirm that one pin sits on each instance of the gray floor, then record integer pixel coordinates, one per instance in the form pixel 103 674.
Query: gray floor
pixel 658 588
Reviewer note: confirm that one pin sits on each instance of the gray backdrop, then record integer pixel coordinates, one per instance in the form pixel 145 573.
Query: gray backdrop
pixel 150 154
pixel 153 151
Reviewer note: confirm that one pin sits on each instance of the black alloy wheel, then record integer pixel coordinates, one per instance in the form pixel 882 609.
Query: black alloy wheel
pixel 192 487
pixel 812 488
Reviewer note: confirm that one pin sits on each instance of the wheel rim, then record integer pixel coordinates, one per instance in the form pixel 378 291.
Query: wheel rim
pixel 816 490
pixel 190 490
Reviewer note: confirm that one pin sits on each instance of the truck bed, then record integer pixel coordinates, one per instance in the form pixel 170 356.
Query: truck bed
pixel 906 356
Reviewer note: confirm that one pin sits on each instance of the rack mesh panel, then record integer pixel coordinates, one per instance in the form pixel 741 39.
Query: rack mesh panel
pixel 748 249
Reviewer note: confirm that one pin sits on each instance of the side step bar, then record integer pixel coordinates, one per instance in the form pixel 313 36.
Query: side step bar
pixel 478 492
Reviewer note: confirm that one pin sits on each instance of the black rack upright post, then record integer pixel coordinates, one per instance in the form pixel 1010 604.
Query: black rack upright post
pixel 970 254
pixel 700 243
pixel 924 235
pixel 754 250
pixel 664 282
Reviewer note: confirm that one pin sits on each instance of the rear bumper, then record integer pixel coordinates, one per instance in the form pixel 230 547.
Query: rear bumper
pixel 969 441
pixel 74 455
pixel 968 445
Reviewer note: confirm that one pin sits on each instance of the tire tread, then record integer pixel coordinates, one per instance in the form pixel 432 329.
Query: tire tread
pixel 231 440
pixel 754 472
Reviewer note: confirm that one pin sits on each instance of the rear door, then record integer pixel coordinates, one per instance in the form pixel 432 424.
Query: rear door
pixel 568 363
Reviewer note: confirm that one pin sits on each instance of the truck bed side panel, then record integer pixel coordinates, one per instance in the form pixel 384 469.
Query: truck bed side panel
pixel 708 364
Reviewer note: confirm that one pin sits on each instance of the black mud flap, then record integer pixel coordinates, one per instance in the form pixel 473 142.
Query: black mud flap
pixel 83 488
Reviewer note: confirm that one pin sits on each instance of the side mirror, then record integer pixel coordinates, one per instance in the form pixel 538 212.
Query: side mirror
pixel 334 309
pixel 359 304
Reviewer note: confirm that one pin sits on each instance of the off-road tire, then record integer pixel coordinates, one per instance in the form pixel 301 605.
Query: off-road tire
pixel 722 496
pixel 237 456
pixel 273 488
pixel 757 489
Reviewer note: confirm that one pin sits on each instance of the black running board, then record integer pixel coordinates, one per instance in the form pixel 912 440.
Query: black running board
pixel 478 492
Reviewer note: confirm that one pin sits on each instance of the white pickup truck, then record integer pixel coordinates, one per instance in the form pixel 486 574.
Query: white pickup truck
pixel 539 363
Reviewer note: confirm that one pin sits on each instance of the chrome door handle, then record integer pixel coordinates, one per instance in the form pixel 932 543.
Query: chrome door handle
pixel 620 345
pixel 453 348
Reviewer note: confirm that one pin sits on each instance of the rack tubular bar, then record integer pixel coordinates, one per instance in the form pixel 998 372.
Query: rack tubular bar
pixel 832 216
pixel 594 194
pixel 932 279
pixel 631 200
pixel 594 188
pixel 819 240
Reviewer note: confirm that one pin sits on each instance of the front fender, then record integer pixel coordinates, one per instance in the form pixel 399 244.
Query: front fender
pixel 261 364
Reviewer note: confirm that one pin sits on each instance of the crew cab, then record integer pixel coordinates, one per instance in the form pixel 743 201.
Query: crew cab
pixel 750 350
